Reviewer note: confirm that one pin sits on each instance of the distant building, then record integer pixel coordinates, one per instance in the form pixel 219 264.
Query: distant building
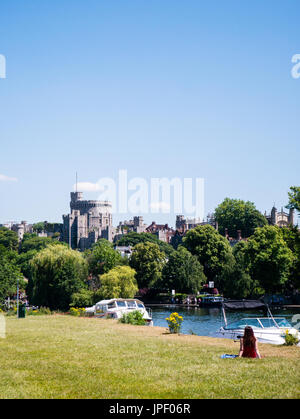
pixel 20 228
pixel 184 224
pixel 280 218
pixel 87 223
pixel 162 231
pixel 136 225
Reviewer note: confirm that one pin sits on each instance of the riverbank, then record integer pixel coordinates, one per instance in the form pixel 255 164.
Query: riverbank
pixel 69 357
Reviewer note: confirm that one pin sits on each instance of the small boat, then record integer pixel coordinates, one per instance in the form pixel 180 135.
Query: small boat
pixel 116 307
pixel 266 329
pixel 211 301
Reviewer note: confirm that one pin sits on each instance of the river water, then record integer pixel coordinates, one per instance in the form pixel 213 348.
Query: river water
pixel 206 321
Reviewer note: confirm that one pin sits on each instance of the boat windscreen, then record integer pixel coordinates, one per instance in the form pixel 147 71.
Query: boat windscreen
pixel 121 304
pixel 241 324
pixel 131 304
pixel 282 322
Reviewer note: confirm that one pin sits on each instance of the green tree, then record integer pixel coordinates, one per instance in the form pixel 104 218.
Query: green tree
pixel 294 198
pixel 235 214
pixel 269 258
pixel 38 227
pixel 132 238
pixel 102 258
pixel 237 280
pixel 9 276
pixel 37 243
pixel 119 282
pixel 291 235
pixel 82 298
pixel 57 273
pixel 183 272
pixel 9 239
pixel 147 260
pixel 212 250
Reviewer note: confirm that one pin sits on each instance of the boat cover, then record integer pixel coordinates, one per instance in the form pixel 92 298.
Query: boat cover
pixel 244 304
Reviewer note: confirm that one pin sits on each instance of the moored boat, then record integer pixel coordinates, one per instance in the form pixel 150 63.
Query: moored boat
pixel 266 329
pixel 116 307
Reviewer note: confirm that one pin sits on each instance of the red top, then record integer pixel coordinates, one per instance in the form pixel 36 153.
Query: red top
pixel 249 352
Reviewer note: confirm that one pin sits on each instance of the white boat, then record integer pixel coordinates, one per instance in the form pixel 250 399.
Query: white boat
pixel 266 329
pixel 116 307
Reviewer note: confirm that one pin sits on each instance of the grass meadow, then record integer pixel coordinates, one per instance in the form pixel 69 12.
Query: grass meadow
pixel 65 357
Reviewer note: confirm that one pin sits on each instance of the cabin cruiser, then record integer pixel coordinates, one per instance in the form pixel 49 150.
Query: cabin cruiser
pixel 116 307
pixel 211 301
pixel 267 329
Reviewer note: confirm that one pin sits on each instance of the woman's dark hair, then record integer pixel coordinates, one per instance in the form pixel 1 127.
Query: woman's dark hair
pixel 249 338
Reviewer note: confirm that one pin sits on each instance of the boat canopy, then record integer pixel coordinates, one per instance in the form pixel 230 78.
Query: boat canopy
pixel 244 304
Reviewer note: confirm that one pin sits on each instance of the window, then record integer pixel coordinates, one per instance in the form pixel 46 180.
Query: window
pixel 121 304
pixel 131 304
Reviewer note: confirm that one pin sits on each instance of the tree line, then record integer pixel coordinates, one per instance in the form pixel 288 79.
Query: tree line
pixel 58 277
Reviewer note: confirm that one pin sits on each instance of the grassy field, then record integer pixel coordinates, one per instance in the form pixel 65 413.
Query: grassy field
pixel 68 357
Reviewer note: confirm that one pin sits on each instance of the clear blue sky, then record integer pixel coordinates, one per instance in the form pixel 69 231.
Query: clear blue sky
pixel 161 88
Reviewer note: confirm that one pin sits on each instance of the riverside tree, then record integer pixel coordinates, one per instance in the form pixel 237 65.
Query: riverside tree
pixel 269 259
pixel 183 272
pixel 102 258
pixel 57 272
pixel 212 250
pixel 235 214
pixel 119 282
pixel 147 260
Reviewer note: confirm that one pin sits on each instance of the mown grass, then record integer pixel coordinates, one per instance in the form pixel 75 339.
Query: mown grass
pixel 69 357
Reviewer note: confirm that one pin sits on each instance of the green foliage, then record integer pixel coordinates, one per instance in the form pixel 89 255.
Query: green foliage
pixel 57 273
pixel 291 235
pixel 268 258
pixel 148 261
pixel 135 318
pixel 9 276
pixel 77 311
pixel 42 311
pixel 294 198
pixel 237 280
pixel 102 258
pixel 236 214
pixel 37 243
pixel 132 239
pixel 38 227
pixel 9 239
pixel 82 298
pixel 290 340
pixel 183 272
pixel 119 282
pixel 212 250
pixel 174 322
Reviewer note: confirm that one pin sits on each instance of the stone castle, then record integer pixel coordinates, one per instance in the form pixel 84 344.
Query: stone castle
pixel 280 218
pixel 87 223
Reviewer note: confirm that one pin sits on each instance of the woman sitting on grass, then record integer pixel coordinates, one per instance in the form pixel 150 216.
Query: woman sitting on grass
pixel 248 344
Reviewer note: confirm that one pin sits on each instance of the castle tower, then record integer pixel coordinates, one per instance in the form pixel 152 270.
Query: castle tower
pixel 274 216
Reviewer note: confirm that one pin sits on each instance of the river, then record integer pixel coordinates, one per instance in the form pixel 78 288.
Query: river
pixel 206 321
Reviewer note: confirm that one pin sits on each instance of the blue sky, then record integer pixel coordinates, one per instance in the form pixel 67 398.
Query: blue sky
pixel 191 89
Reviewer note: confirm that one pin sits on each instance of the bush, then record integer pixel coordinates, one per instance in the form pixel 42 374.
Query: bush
pixel 174 322
pixel 38 311
pixel 290 340
pixel 77 311
pixel 135 318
